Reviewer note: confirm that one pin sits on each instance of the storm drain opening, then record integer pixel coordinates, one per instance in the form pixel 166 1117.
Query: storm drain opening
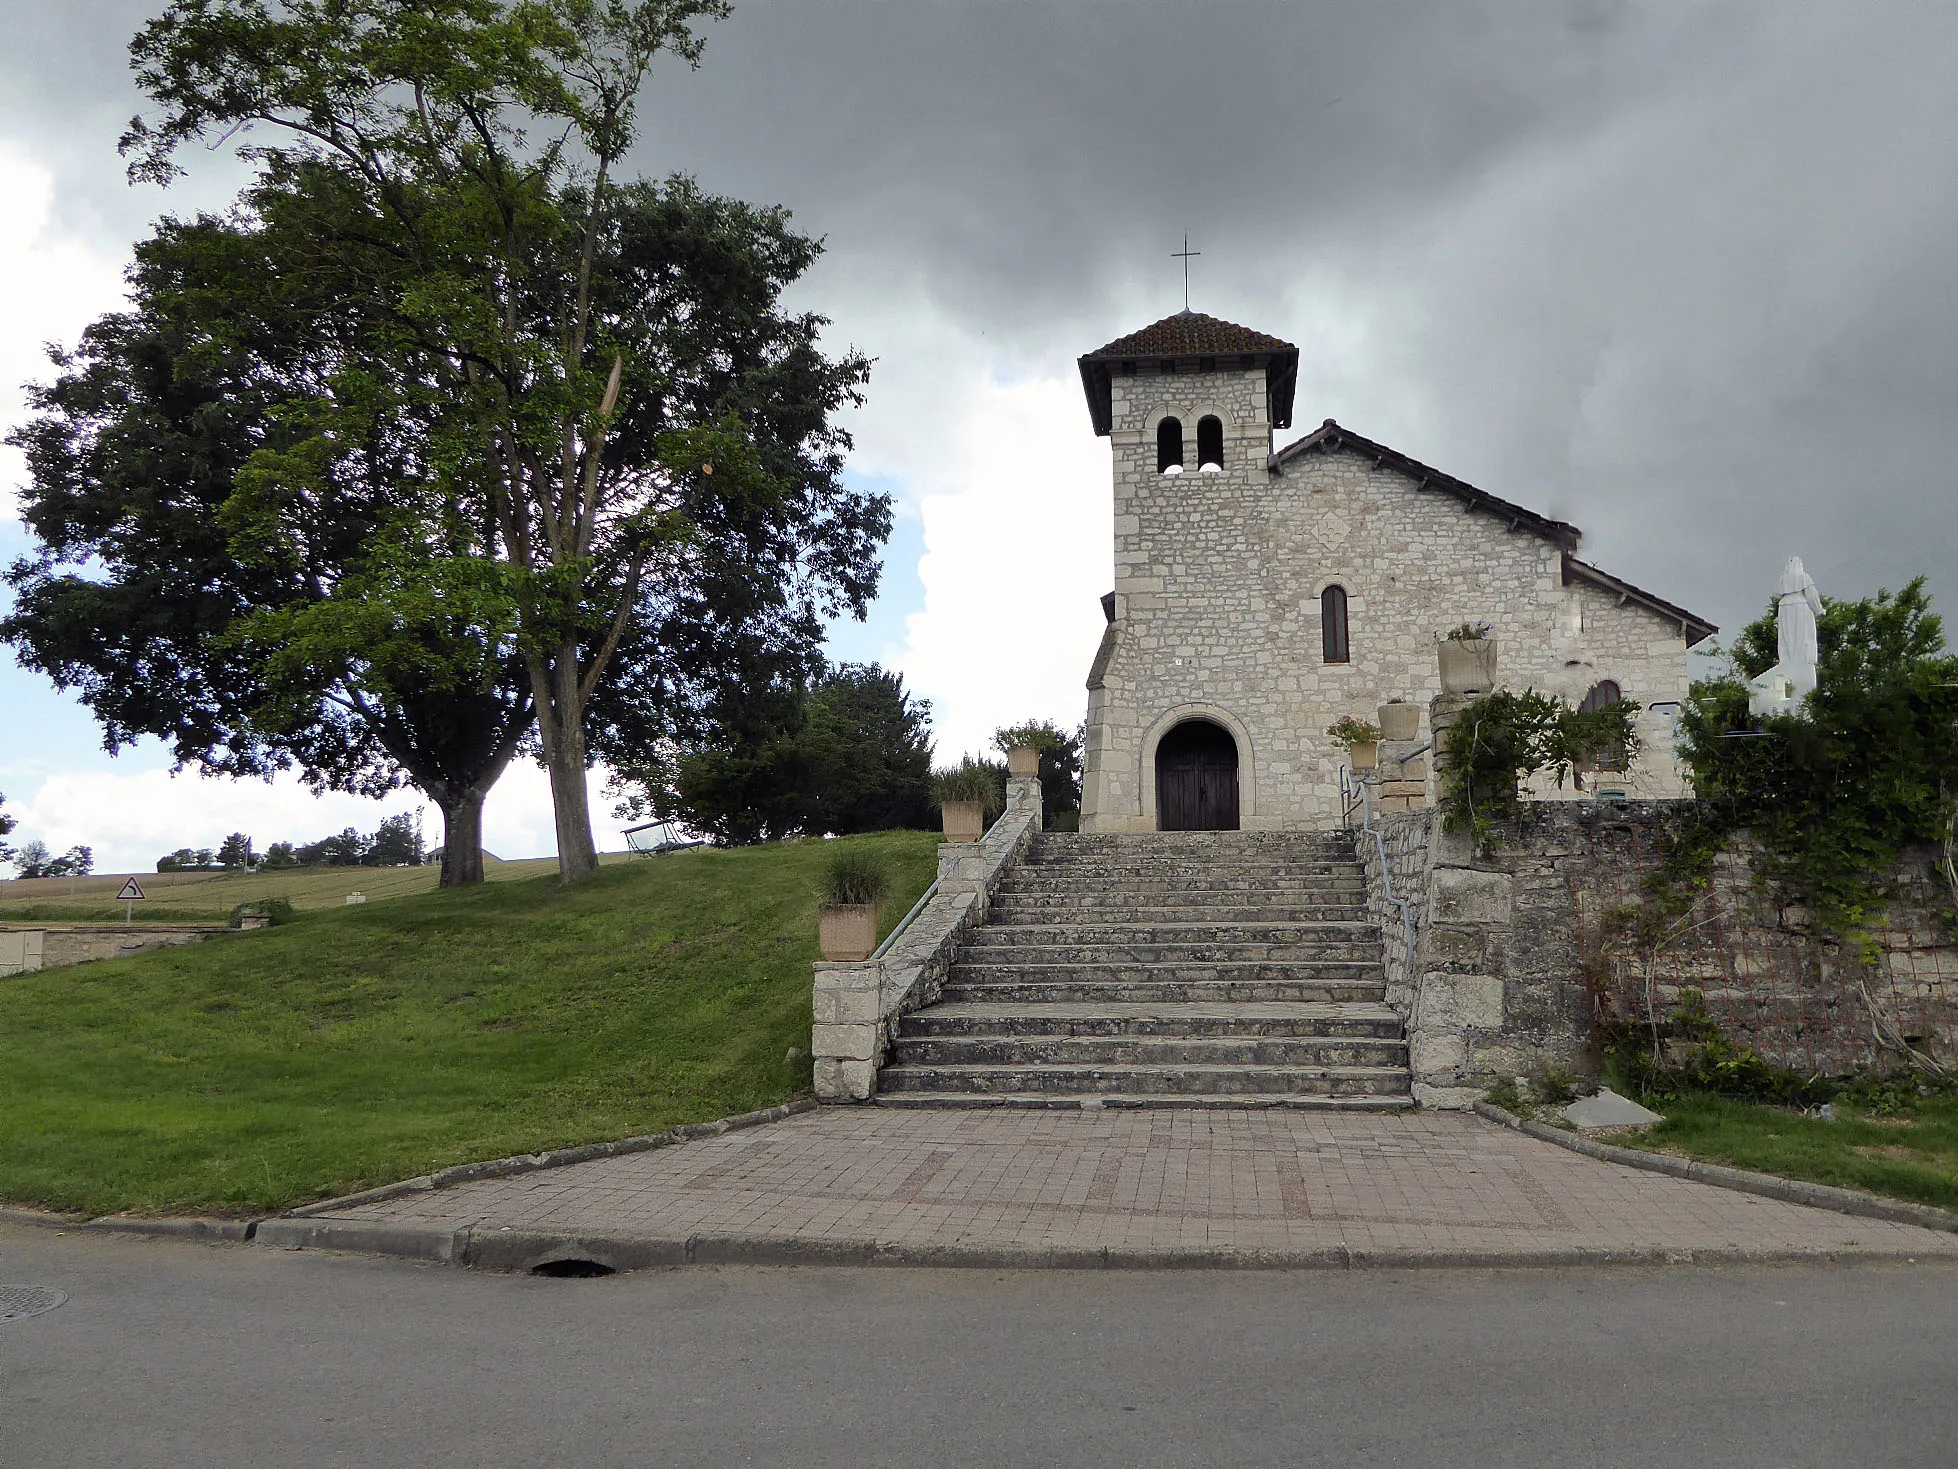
pixel 18 1302
pixel 572 1269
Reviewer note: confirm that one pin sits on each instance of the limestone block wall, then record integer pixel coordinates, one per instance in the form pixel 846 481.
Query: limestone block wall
pixel 1218 580
pixel 57 946
pixel 1519 949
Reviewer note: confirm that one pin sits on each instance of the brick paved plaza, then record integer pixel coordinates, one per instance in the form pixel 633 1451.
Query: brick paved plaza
pixel 1171 1181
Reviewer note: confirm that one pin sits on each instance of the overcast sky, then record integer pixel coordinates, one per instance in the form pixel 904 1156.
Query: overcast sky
pixel 1680 273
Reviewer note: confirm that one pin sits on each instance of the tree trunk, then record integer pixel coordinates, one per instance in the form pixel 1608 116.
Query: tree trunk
pixel 462 836
pixel 561 730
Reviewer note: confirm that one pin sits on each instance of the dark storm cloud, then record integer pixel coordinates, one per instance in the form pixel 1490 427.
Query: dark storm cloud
pixel 1677 272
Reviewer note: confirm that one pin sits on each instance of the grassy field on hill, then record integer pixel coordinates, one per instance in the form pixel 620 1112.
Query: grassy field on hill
pixel 203 897
pixel 357 1045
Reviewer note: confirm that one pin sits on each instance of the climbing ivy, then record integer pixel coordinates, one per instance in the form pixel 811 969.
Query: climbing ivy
pixel 1504 737
pixel 1833 794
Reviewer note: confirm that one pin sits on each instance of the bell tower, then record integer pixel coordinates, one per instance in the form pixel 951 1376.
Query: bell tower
pixel 1189 404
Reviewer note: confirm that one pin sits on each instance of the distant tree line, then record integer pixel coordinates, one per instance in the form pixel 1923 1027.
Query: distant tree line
pixel 396 842
pixel 33 859
pixel 847 751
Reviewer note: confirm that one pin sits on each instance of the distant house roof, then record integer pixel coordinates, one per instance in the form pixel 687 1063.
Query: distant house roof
pixel 1330 437
pixel 1191 341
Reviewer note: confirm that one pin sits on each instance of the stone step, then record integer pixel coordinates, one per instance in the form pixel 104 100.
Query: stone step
pixel 1260 843
pixel 1149 1050
pixel 1172 866
pixel 1166 1018
pixel 1115 1101
pixel 1023 909
pixel 1171 1080
pixel 985 952
pixel 1023 971
pixel 1132 991
pixel 1023 880
pixel 1259 934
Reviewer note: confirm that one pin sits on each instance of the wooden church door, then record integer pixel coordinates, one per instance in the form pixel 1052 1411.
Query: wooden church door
pixel 1196 778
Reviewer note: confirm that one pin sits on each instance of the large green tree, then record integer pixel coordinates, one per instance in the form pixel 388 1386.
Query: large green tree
pixel 849 753
pixel 443 441
pixel 457 166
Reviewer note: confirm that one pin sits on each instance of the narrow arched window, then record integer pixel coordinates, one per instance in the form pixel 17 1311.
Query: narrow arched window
pixel 1169 446
pixel 1332 625
pixel 1602 693
pixel 1210 443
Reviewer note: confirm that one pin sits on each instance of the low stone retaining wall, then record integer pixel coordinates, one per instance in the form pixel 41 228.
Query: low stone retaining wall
pixel 1520 948
pixel 857 1005
pixel 55 946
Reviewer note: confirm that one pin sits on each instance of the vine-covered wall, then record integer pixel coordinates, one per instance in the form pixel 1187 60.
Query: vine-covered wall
pixel 1523 946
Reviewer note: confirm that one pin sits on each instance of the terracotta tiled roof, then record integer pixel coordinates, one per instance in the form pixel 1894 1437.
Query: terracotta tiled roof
pixel 1191 334
pixel 1190 341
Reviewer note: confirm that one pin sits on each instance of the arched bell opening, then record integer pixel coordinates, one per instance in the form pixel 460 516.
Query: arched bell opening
pixel 1196 778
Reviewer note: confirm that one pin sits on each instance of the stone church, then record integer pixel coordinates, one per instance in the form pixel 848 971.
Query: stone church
pixel 1260 595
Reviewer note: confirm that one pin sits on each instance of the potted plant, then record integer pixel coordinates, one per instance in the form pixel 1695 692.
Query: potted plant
pixel 854 883
pixel 1023 762
pixel 968 794
pixel 1400 720
pixel 1360 740
pixel 1468 659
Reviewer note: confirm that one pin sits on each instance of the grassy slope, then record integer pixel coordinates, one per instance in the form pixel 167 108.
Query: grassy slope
pixel 1913 1158
pixel 203 897
pixel 358 1045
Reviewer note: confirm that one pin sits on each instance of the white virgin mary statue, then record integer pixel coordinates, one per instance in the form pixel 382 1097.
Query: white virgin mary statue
pixel 1797 604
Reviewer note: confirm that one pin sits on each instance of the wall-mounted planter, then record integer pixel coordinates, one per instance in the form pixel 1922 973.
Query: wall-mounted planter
pixel 1467 666
pixel 847 933
pixel 1364 756
pixel 1023 762
pixel 1400 721
pixel 965 821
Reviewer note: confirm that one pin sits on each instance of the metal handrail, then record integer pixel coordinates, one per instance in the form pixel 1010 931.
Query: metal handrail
pixel 905 922
pixel 1348 783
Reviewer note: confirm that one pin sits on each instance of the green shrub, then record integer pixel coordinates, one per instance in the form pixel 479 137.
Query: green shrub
pixel 1347 731
pixel 275 910
pixel 853 876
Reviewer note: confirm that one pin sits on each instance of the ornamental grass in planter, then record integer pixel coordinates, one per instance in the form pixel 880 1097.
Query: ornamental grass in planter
pixel 1467 655
pixel 969 794
pixel 854 884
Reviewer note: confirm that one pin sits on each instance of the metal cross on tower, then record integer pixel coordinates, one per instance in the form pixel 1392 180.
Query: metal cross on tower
pixel 1185 255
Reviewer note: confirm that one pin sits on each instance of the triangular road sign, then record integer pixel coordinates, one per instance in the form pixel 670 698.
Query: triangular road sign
pixel 131 893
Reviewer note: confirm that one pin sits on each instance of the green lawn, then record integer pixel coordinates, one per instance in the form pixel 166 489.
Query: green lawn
pixel 1911 1157
pixel 354 1046
pixel 205 897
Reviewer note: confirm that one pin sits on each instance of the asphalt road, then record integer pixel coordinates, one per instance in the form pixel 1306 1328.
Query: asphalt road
pixel 177 1354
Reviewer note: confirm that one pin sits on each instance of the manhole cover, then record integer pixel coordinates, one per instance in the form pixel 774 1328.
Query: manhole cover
pixel 18 1302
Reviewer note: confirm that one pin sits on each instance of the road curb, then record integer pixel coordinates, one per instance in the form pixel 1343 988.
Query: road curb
pixel 521 1250
pixel 1741 1180
pixel 555 1158
pixel 239 1231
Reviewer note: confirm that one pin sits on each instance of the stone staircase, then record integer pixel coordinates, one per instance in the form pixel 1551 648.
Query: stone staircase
pixel 1181 969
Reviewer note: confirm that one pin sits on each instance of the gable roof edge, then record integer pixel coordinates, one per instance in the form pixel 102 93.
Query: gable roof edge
pixel 1692 627
pixel 1330 436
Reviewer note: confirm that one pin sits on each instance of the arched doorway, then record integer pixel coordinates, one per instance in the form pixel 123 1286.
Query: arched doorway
pixel 1196 778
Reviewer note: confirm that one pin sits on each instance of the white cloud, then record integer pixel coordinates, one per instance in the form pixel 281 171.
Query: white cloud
pixel 53 287
pixel 1018 522
pixel 130 818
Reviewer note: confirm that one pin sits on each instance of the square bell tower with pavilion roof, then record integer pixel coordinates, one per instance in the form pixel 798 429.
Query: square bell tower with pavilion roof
pixel 1259 596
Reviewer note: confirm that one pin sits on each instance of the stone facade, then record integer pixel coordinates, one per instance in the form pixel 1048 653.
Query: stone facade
pixel 1216 608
